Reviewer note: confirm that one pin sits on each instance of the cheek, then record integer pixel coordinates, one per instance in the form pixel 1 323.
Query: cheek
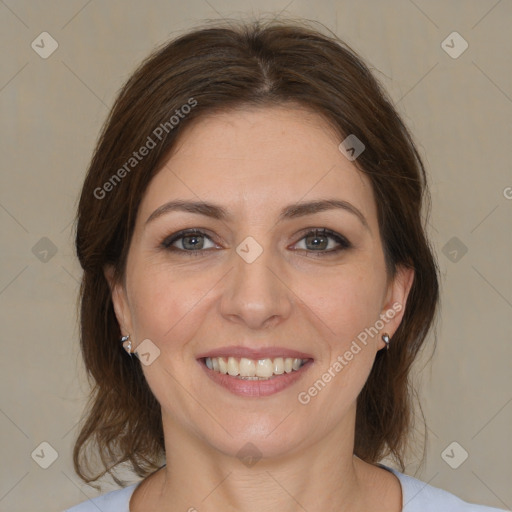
pixel 349 307
pixel 165 304
pixel 347 301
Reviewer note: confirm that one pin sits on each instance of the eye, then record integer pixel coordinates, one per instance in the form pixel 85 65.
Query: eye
pixel 317 242
pixel 190 241
pixel 324 242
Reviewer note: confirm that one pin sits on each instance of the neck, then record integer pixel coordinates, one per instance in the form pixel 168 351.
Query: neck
pixel 321 475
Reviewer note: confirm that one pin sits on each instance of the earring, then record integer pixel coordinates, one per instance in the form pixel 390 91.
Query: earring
pixel 385 338
pixel 127 344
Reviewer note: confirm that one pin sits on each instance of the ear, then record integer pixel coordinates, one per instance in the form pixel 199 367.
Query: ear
pixel 119 301
pixel 395 301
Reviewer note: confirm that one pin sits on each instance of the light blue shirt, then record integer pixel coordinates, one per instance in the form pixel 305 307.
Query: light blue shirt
pixel 417 496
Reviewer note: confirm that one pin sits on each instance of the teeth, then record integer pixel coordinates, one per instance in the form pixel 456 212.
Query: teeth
pixel 251 369
pixel 296 364
pixel 223 366
pixel 264 368
pixel 278 366
pixel 233 367
pixel 247 367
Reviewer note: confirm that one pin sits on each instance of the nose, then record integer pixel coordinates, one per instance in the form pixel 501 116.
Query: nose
pixel 256 294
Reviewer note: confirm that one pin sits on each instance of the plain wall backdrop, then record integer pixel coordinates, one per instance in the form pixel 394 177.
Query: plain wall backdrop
pixel 457 101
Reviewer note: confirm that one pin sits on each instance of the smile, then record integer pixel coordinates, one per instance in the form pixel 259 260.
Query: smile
pixel 254 369
pixel 254 377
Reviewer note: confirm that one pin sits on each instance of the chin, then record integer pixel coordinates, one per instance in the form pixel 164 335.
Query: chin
pixel 267 437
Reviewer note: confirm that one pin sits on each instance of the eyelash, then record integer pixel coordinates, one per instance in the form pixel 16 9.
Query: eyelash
pixel 341 240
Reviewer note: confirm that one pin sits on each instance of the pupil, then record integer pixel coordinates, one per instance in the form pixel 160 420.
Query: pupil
pixel 192 245
pixel 317 240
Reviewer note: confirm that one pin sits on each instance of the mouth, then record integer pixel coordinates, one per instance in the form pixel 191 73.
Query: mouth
pixel 254 369
pixel 244 376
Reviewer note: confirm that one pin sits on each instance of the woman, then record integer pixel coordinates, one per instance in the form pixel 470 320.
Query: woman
pixel 250 228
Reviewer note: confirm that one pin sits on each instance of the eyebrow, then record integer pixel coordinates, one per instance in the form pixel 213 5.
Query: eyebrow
pixel 291 211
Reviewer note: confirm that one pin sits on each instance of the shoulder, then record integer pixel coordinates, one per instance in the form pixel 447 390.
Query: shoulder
pixel 419 496
pixel 114 501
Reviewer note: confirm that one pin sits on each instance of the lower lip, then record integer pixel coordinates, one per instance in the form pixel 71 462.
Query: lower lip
pixel 257 388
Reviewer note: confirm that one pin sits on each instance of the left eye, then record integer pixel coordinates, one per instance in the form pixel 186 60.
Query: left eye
pixel 324 240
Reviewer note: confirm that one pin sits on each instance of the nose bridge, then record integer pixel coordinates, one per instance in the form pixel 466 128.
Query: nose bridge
pixel 254 292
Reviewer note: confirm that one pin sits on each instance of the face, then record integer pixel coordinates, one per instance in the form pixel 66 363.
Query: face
pixel 258 276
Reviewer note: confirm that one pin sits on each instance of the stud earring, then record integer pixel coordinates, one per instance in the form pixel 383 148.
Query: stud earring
pixel 127 344
pixel 385 338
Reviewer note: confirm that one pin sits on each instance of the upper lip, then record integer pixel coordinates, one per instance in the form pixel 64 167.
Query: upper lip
pixel 254 353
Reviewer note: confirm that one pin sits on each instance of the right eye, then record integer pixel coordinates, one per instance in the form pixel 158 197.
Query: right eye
pixel 190 241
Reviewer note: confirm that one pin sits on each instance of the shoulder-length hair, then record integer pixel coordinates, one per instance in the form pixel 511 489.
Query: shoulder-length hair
pixel 228 66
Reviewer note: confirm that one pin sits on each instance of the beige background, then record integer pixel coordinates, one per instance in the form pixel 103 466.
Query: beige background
pixel 459 111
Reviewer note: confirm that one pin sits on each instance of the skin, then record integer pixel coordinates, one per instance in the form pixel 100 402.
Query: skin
pixel 254 162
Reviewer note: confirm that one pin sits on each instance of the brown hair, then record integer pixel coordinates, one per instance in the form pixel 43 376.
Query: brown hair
pixel 228 66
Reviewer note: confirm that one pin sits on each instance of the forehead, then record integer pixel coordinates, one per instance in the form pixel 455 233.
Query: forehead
pixel 254 161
